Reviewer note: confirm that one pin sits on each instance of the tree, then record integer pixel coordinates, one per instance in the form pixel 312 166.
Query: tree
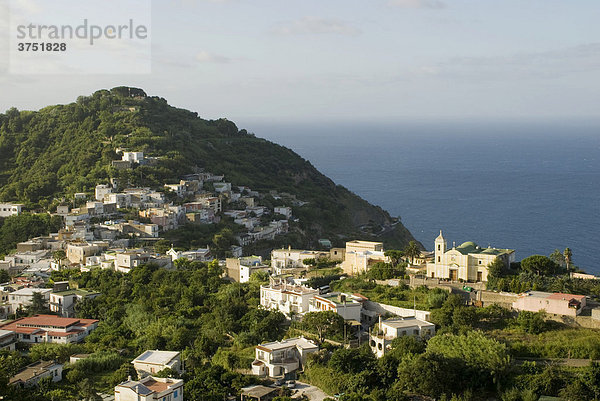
pixel 568 257
pixel 4 276
pixel 557 257
pixel 412 251
pixel 87 391
pixel 539 264
pixel 325 323
pixel 532 322
pixel 395 256
pixel 38 304
pixel 495 268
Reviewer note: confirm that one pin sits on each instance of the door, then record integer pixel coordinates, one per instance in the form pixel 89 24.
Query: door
pixel 453 275
pixel 479 276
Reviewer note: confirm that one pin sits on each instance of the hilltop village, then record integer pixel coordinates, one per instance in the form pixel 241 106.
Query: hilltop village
pixel 109 308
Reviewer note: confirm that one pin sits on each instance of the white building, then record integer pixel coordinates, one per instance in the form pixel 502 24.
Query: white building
pixel 345 305
pixel 101 191
pixel 150 389
pixel 390 329
pixel 10 209
pixel 284 211
pixel 282 358
pixel 33 373
pixel 24 297
pixel 134 157
pixel 64 302
pixel 151 362
pixel 288 299
pixel 293 258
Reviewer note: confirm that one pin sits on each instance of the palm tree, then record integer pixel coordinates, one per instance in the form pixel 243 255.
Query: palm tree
pixel 412 250
pixel 568 255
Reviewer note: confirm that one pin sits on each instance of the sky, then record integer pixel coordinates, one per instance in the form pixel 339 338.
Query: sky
pixel 255 61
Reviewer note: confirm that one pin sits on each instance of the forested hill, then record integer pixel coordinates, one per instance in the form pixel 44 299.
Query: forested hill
pixel 63 149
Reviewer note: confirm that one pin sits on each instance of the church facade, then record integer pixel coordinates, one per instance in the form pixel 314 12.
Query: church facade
pixel 467 262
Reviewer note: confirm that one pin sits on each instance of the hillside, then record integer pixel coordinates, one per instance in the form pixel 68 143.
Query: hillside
pixel 59 150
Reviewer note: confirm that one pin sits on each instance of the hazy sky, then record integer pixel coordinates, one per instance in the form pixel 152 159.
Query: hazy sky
pixel 379 60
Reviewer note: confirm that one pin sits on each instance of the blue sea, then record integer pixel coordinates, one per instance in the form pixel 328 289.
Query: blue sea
pixel 531 187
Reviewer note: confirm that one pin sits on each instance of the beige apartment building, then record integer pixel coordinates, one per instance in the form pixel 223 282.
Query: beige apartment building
pixel 361 255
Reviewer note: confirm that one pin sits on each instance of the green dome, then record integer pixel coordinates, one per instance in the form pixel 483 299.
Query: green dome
pixel 468 244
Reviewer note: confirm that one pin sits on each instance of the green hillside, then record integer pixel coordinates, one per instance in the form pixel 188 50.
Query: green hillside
pixel 63 149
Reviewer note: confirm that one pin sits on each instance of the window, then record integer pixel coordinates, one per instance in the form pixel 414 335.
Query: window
pixel 175 394
pixel 439 258
pixel 439 247
pixel 480 262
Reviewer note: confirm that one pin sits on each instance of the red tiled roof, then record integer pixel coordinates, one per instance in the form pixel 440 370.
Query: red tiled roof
pixel 154 385
pixel 47 320
pixel 60 333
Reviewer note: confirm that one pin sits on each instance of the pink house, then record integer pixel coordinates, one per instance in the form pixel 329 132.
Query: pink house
pixel 557 303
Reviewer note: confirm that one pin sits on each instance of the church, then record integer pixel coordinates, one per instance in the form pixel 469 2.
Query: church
pixel 467 262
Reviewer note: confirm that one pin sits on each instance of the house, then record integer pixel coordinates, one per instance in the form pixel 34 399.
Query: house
pixel 178 189
pixel 221 187
pixel 288 299
pixel 361 255
pixel 151 362
pixel 282 359
pixel 150 389
pixel 345 305
pixel 50 329
pixel 78 252
pixel 64 302
pixel 294 258
pixel 557 303
pixel 385 332
pixel 10 209
pixel 258 392
pixel 133 157
pixel 101 191
pixel 24 297
pixel 284 211
pixel 33 373
pixel 468 262
pixel 200 254
pixel 8 340
pixel 240 269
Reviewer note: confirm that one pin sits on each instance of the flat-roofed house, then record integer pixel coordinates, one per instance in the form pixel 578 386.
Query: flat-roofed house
pixel 150 389
pixel 151 362
pixel 286 298
pixel 385 332
pixel 557 303
pixel 64 302
pixel 361 255
pixel 7 340
pixel 10 209
pixel 345 305
pixel 282 358
pixel 240 269
pixel 33 373
pixel 24 297
pixel 50 329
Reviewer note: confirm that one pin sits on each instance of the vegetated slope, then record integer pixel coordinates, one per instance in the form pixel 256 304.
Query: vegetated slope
pixel 63 149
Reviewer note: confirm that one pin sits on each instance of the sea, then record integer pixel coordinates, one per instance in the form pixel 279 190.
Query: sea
pixel 529 186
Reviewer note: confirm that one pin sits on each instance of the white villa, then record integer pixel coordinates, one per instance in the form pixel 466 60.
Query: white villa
pixel 286 298
pixel 345 305
pixel 468 261
pixel 282 358
pixel 390 329
pixel 150 389
pixel 151 362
